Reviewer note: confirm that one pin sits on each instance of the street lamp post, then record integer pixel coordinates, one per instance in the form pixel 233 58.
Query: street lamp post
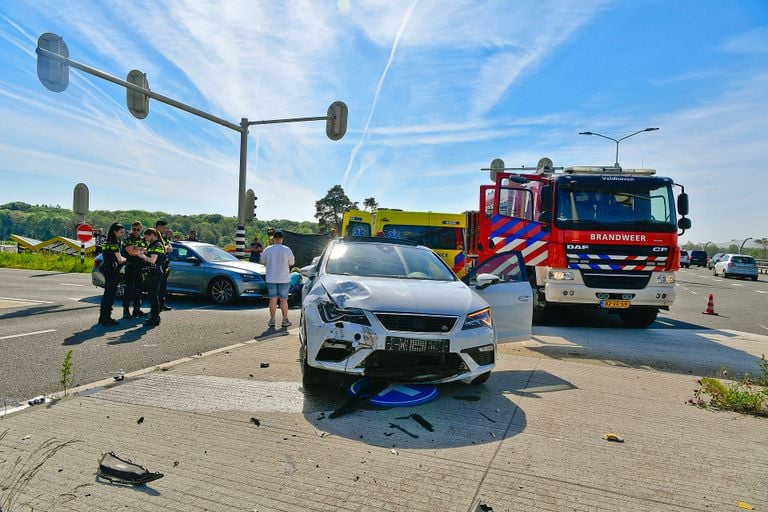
pixel 742 244
pixel 618 140
pixel 706 244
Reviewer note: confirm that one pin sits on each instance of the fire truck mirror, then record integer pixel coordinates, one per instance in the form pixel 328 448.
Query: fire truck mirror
pixel 546 217
pixel 682 205
pixel 684 223
pixel 546 198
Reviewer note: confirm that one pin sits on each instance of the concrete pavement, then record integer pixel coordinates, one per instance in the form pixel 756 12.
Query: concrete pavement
pixel 528 439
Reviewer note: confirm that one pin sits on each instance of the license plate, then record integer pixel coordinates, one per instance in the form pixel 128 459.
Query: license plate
pixel 398 344
pixel 615 304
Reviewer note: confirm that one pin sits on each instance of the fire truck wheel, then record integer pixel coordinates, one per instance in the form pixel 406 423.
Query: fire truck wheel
pixel 638 318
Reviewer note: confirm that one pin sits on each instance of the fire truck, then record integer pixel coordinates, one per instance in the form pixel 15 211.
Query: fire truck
pixel 602 237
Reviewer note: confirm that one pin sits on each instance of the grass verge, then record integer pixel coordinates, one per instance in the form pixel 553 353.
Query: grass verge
pixel 45 261
pixel 749 395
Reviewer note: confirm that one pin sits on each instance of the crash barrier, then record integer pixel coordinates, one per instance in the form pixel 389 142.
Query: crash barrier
pixel 762 266
pixel 56 244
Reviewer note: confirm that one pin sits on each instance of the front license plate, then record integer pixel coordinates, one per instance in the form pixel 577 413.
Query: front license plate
pixel 398 344
pixel 615 304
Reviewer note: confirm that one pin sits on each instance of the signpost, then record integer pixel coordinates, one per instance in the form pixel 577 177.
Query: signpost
pixel 53 64
pixel 84 234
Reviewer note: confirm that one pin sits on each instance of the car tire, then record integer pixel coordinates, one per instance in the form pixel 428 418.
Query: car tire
pixel 725 274
pixel 638 318
pixel 222 291
pixel 754 278
pixel 481 378
pixel 714 271
pixel 311 377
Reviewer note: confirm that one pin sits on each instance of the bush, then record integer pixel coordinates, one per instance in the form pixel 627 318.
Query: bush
pixel 747 396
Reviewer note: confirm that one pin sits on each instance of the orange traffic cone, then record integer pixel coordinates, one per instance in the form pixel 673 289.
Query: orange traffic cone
pixel 710 306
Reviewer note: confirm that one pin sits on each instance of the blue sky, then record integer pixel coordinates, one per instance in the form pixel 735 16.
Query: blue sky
pixel 435 89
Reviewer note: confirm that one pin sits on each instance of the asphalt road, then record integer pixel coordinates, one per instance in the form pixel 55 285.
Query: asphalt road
pixel 44 314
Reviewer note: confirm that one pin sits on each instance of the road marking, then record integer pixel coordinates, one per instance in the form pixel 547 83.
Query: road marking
pixel 760 291
pixel 718 280
pixel 26 334
pixel 764 327
pixel 736 284
pixel 71 284
pixel 9 302
pixel 693 292
pixel 665 323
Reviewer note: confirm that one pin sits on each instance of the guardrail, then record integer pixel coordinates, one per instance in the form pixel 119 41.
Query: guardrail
pixel 762 266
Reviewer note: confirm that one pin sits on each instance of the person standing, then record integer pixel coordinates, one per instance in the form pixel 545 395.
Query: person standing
pixel 256 250
pixel 132 246
pixel 110 268
pixel 153 258
pixel 278 259
pixel 162 230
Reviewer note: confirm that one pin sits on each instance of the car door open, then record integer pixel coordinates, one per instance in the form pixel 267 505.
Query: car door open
pixel 503 282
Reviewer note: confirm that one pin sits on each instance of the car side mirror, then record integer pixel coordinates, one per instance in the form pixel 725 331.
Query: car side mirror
pixel 486 280
pixel 546 217
pixel 309 271
pixel 682 205
pixel 193 260
pixel 684 223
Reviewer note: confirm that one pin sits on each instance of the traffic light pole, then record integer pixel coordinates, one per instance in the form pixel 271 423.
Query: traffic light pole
pixel 57 79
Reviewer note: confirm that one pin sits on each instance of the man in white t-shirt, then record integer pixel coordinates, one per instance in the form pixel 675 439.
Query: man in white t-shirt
pixel 278 259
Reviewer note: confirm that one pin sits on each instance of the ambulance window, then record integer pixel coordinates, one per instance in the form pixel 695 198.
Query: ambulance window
pixel 359 229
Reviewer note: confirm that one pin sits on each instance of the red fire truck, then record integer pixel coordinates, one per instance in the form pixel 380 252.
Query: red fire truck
pixel 603 237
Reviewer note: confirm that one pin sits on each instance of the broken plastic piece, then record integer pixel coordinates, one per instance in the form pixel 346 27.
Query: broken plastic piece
pixel 610 436
pixel 394 452
pixel 482 507
pixel 745 506
pixel 37 400
pixel 264 364
pixel 123 471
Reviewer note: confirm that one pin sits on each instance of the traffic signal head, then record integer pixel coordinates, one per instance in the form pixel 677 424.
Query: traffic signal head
pixel 54 75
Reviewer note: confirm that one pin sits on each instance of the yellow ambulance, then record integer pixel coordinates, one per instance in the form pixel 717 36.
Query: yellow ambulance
pixel 441 232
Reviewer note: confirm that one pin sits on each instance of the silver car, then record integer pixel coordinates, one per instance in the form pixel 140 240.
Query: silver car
pixel 203 269
pixel 394 311
pixel 736 265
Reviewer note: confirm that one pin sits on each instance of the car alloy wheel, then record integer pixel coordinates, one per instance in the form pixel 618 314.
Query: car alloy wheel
pixel 222 291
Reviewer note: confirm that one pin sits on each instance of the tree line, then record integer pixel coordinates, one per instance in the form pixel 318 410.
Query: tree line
pixel 42 222
pixel 757 252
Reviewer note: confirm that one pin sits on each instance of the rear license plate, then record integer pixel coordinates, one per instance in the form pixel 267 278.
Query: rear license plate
pixel 615 304
pixel 398 344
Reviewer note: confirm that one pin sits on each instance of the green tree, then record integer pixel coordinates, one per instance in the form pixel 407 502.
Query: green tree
pixel 763 242
pixel 331 207
pixel 371 203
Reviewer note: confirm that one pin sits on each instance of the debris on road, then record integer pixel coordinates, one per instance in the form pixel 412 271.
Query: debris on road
pixel 37 400
pixel 26 437
pixel 119 375
pixel 140 420
pixel 404 431
pixel 264 364
pixel 320 433
pixel 255 421
pixel 393 451
pixel 610 436
pixel 486 417
pixel 745 506
pixel 370 390
pixel 123 471
pixel 481 506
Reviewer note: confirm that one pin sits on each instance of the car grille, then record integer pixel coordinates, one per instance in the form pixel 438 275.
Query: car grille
pixel 615 280
pixel 416 323
pixel 398 366
pixel 481 358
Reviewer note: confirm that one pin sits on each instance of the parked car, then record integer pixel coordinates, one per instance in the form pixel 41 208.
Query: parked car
pixel 393 310
pixel 714 259
pixel 699 258
pixel 685 259
pixel 736 265
pixel 203 269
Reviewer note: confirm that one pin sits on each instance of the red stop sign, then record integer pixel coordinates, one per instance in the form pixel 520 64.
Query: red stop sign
pixel 84 232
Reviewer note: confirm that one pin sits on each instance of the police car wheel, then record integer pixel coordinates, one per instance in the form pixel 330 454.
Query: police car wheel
pixel 222 291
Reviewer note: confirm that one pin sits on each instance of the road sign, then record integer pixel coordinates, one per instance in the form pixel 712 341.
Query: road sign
pixel 397 395
pixel 84 233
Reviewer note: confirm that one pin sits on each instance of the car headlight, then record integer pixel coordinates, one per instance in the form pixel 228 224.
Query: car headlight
pixel 477 319
pixel 250 277
pixel 560 275
pixel 665 278
pixel 329 312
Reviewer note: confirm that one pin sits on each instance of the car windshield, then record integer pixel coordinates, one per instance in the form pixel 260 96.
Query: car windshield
pixel 582 207
pixel 213 254
pixel 387 260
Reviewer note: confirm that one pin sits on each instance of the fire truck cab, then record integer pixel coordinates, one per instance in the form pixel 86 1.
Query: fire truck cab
pixel 602 237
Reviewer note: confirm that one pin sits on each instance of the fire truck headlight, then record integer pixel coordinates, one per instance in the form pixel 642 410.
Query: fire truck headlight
pixel 560 275
pixel 665 278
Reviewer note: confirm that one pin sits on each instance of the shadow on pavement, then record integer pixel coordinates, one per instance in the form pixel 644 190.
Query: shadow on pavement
pixel 94 331
pixel 461 415
pixel 129 336
pixel 29 311
pixel 602 319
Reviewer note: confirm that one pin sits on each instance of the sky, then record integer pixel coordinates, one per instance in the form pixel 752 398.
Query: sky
pixel 435 90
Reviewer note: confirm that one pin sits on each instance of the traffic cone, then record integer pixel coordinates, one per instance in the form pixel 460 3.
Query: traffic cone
pixel 710 306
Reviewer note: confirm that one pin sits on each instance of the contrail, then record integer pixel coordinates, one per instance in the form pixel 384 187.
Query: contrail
pixel 360 143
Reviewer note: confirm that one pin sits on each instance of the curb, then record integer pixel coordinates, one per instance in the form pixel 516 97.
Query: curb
pixel 106 383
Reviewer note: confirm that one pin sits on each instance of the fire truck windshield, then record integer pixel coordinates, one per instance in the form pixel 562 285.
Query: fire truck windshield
pixel 650 209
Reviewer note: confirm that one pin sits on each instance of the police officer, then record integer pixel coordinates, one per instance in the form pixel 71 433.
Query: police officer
pixel 153 256
pixel 110 268
pixel 132 247
pixel 161 227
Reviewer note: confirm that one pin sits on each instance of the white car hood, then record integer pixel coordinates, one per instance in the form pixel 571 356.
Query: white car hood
pixel 402 295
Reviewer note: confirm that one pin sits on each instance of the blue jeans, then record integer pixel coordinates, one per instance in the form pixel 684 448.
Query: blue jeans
pixel 278 290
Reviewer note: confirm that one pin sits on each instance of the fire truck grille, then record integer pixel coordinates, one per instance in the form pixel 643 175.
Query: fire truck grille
pixel 611 280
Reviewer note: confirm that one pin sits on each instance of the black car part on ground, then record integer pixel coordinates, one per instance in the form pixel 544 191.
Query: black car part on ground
pixel 123 471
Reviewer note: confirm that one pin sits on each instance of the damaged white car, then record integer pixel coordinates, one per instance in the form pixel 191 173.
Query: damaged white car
pixel 392 310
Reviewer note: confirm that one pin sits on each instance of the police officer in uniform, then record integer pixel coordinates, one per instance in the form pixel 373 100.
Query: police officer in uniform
pixel 153 258
pixel 132 246
pixel 161 228
pixel 110 268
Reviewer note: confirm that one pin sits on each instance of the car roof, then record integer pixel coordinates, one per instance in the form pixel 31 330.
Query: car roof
pixel 377 240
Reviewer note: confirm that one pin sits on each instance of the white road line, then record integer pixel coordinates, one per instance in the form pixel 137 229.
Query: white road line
pixel 718 280
pixel 665 323
pixel 26 334
pixel 760 291
pixel 693 292
pixel 71 284
pixel 736 284
pixel 764 327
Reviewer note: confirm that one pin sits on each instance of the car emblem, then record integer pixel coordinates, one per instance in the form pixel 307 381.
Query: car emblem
pixel 444 328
